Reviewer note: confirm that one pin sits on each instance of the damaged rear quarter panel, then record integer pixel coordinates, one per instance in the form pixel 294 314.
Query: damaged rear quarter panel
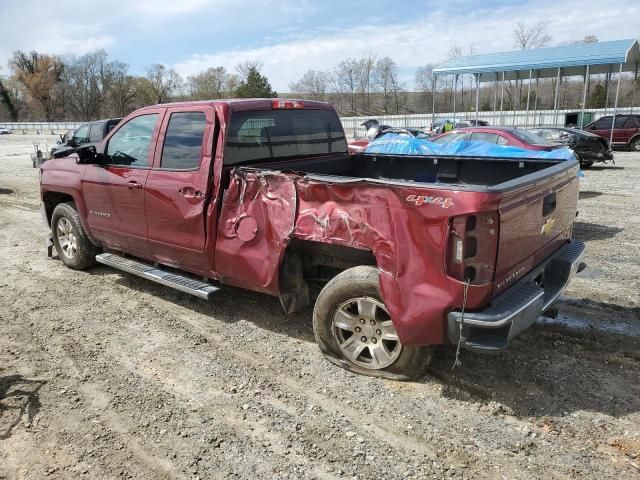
pixel 407 238
pixel 256 221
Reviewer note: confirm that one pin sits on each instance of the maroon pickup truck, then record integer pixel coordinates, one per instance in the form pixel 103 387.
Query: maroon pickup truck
pixel 399 253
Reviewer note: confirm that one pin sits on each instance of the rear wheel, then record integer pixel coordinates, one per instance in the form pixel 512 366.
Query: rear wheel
pixel 354 329
pixel 74 248
pixel 635 144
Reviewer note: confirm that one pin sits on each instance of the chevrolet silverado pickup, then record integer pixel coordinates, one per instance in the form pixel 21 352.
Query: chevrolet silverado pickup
pixel 398 253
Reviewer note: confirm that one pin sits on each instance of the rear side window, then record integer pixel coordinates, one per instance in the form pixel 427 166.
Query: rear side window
pixel 623 121
pixel 262 135
pixel 182 148
pixel 452 137
pixel 95 134
pixel 484 137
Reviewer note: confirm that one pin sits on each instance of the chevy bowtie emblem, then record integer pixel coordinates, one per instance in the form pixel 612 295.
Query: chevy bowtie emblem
pixel 547 228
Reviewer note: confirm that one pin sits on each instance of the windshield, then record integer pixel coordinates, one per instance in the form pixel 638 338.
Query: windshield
pixel 268 134
pixel 529 137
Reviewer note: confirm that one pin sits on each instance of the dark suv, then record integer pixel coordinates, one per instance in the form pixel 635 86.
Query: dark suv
pixel 626 131
pixel 87 133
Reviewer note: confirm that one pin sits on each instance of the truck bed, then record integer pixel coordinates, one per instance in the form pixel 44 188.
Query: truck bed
pixel 444 171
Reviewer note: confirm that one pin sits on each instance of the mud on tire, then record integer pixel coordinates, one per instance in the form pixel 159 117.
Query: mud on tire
pixel 351 325
pixel 74 248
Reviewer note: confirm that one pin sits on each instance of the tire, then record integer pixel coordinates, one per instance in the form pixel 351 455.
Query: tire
pixel 350 323
pixel 73 247
pixel 634 144
pixel 585 165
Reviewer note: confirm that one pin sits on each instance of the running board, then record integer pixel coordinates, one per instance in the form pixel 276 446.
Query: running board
pixel 178 282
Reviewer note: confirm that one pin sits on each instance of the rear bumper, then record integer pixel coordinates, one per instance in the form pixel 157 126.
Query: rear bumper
pixel 515 310
pixel 598 157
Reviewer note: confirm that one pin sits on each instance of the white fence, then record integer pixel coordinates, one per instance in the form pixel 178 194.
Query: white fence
pixel 352 125
pixel 519 118
pixel 45 128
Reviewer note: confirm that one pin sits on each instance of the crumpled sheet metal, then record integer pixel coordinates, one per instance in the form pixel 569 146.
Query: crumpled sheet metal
pixel 408 239
pixel 250 257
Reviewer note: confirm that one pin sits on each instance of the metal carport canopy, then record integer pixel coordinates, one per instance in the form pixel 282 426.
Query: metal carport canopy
pixel 601 57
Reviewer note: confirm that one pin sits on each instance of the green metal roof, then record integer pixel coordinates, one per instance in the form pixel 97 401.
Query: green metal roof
pixel 601 57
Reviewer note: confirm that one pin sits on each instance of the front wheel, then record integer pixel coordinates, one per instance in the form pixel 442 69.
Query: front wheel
pixel 354 329
pixel 74 248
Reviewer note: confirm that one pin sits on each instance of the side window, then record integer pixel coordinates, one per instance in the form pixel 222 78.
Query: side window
pixel 81 135
pixel 502 140
pixel 630 122
pixel 603 124
pixel 450 138
pixel 484 137
pixel 182 148
pixel 621 121
pixel 130 144
pixel 95 135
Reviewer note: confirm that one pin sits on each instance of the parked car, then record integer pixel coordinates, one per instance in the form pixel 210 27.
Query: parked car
pixel 87 133
pixel 588 147
pixel 375 130
pixel 626 131
pixel 199 195
pixel 436 127
pixel 4 131
pixel 514 137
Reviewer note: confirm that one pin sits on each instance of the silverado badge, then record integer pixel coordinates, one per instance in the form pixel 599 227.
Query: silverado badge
pixel 547 227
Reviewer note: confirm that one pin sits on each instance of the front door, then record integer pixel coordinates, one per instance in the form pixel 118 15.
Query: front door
pixel 178 187
pixel 114 192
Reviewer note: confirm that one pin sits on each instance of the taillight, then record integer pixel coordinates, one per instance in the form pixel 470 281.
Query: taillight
pixel 473 245
pixel 286 104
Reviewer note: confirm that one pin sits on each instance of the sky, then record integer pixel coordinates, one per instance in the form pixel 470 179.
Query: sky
pixel 289 37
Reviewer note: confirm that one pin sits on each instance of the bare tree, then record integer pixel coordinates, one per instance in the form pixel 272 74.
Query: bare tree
pixel 212 83
pixel 40 74
pixel 246 67
pixel 346 77
pixel 123 89
pixel 534 36
pixel 86 81
pixel 385 76
pixel 365 71
pixel 425 84
pixel 162 82
pixel 313 85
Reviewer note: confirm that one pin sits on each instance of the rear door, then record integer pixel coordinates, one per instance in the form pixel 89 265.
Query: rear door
pixel 625 128
pixel 114 192
pixel 535 219
pixel 178 187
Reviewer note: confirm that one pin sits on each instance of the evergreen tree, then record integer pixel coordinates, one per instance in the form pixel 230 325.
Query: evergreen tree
pixel 255 85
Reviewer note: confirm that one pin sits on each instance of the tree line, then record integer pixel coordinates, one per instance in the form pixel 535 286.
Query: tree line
pixel 92 86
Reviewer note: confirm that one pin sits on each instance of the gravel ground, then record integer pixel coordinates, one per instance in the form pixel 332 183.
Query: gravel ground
pixel 104 375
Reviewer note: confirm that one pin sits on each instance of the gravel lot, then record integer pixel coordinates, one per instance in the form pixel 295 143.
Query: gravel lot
pixel 104 375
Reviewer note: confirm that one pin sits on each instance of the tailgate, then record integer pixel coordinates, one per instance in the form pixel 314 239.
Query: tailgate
pixel 535 220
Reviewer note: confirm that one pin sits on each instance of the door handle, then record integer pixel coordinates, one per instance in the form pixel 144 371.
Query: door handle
pixel 134 184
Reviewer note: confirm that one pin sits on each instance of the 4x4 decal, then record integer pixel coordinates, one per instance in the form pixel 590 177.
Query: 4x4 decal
pixel 445 202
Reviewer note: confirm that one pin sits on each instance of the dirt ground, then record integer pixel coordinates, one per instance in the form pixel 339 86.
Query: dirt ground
pixel 104 375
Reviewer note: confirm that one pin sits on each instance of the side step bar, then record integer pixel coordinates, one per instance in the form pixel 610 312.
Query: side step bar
pixel 179 282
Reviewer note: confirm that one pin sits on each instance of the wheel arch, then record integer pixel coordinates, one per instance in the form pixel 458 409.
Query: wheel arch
pixel 51 199
pixel 306 263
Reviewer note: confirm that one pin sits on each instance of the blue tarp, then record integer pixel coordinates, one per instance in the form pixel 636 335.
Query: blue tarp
pixel 397 144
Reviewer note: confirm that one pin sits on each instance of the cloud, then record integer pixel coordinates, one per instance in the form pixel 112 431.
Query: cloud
pixel 424 40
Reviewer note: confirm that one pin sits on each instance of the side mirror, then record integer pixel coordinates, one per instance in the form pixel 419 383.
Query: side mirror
pixel 89 156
